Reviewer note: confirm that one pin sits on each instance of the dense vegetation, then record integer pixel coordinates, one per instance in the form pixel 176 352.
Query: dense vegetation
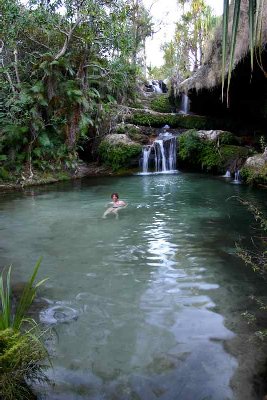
pixel 63 66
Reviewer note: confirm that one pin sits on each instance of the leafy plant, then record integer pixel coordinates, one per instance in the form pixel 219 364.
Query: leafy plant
pixel 118 156
pixel 161 104
pixel 22 359
pixel 8 319
pixel 22 353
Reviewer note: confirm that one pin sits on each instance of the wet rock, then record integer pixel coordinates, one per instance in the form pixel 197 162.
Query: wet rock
pixel 258 161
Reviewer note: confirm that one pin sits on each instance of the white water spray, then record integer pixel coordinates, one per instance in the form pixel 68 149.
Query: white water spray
pixel 162 153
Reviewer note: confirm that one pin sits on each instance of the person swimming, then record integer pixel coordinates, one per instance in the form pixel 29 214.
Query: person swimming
pixel 116 205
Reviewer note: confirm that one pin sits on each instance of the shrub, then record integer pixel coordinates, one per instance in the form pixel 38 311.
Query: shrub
pixel 161 104
pixel 21 357
pixel 21 350
pixel 228 138
pixel 119 155
pixel 254 176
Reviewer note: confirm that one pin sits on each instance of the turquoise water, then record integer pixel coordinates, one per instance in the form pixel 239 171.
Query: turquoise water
pixel 147 306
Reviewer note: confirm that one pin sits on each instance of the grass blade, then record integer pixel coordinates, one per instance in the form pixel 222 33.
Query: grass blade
pixel 5 294
pixel 27 297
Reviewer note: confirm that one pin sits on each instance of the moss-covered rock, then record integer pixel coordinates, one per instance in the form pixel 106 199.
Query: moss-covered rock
pixel 118 151
pixel 135 133
pixel 197 152
pixel 254 170
pixel 148 118
pixel 161 104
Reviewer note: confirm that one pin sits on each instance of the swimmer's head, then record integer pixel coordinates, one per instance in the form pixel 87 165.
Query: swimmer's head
pixel 115 196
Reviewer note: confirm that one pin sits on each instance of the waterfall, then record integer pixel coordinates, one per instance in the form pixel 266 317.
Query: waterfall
pixel 160 156
pixel 227 174
pixel 146 154
pixel 156 87
pixel 185 104
pixel 162 152
pixel 237 177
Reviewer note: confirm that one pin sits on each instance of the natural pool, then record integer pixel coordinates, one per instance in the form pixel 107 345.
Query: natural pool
pixel 147 306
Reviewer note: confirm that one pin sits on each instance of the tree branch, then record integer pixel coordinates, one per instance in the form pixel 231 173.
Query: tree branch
pixel 3 66
pixel 67 40
pixel 16 65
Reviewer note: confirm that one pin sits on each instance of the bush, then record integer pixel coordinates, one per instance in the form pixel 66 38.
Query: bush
pixel 161 104
pixel 205 154
pixel 21 350
pixel 21 355
pixel 254 176
pixel 119 155
pixel 228 138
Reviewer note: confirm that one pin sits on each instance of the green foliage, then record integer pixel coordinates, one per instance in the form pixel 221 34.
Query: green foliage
pixel 21 349
pixel 55 92
pixel 193 30
pixel 173 120
pixel 4 174
pixel 207 154
pixel 254 176
pixel 22 358
pixel 118 156
pixel 228 138
pixel 8 318
pixel 161 104
pixel 190 146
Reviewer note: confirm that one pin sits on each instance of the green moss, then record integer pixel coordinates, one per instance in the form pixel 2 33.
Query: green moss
pixel 4 174
pixel 118 156
pixel 173 120
pixel 161 104
pixel 195 152
pixel 228 138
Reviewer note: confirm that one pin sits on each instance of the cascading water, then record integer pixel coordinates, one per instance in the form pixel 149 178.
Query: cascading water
pixel 185 104
pixel 146 154
pixel 160 157
pixel 162 153
pixel 227 174
pixel 237 177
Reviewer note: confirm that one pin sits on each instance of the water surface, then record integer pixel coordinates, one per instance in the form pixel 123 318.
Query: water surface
pixel 146 306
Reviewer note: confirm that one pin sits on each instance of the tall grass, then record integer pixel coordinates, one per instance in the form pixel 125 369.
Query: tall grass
pixel 8 319
pixel 22 353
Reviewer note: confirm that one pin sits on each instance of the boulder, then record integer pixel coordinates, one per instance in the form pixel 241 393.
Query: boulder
pixel 210 135
pixel 258 161
pixel 118 138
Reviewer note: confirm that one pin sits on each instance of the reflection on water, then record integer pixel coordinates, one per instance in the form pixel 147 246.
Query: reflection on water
pixel 142 306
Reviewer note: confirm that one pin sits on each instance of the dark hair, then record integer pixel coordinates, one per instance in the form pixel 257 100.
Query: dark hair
pixel 115 194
